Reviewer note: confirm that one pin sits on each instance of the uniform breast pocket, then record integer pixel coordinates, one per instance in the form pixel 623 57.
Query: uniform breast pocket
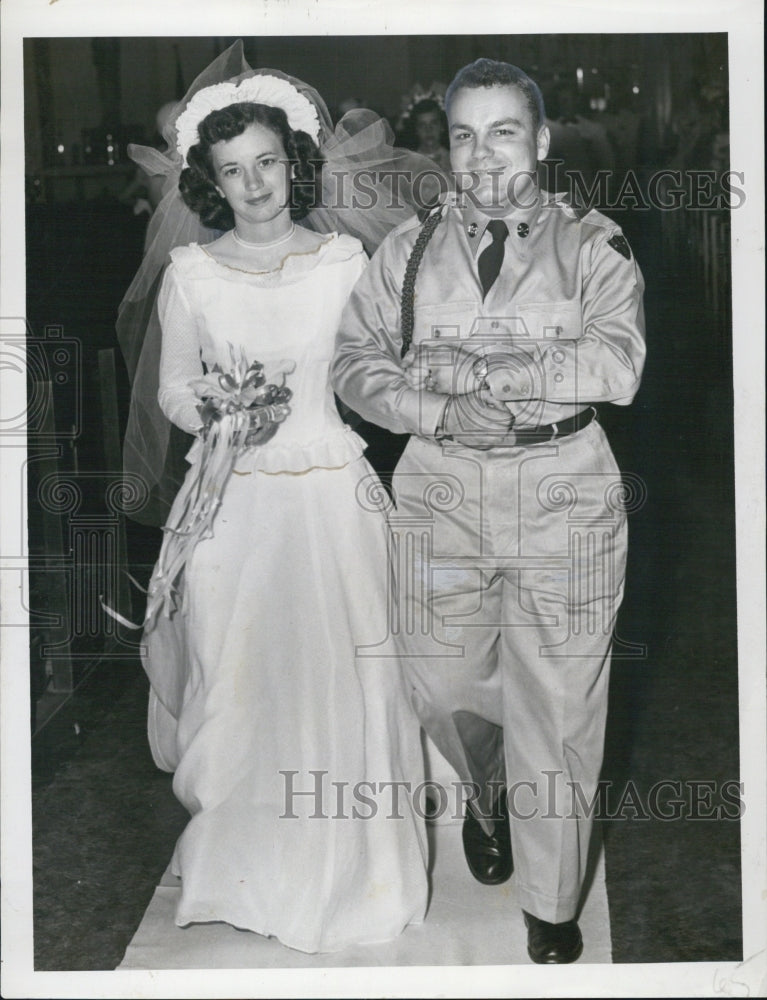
pixel 442 332
pixel 548 321
pixel 442 322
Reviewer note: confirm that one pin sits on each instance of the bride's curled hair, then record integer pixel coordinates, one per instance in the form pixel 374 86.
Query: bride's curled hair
pixel 197 183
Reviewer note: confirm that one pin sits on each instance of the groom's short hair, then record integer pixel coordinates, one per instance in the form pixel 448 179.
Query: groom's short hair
pixel 492 73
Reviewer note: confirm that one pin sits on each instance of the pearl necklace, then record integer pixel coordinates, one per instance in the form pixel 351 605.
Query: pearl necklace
pixel 264 246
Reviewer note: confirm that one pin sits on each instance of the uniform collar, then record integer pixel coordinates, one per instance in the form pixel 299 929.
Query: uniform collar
pixel 519 220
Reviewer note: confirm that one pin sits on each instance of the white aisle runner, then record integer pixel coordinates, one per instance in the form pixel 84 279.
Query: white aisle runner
pixel 467 924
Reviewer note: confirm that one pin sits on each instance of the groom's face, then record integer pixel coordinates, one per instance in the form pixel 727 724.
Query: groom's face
pixel 495 145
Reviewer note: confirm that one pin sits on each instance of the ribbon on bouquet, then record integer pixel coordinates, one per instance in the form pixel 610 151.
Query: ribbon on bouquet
pixel 240 410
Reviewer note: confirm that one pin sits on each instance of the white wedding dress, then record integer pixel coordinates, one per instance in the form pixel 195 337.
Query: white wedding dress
pixel 276 696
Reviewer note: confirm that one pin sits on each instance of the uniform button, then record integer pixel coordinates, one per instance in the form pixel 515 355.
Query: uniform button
pixel 559 377
pixel 524 389
pixel 472 230
pixel 523 229
pixel 558 356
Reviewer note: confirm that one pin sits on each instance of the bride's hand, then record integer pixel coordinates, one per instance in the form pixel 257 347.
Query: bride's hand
pixel 264 421
pixel 415 369
pixel 449 372
pixel 275 371
pixel 422 373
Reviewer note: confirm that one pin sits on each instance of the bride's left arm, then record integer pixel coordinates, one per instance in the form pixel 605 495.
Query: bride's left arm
pixel 180 362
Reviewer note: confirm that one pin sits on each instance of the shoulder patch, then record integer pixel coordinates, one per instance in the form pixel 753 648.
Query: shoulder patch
pixel 619 243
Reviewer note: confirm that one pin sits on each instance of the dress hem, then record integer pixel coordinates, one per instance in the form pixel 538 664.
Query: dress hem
pixel 383 938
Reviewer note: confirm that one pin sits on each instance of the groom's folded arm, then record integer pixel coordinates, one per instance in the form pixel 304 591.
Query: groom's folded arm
pixel 366 371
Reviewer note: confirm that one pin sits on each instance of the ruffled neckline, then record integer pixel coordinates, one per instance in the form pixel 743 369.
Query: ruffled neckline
pixel 197 261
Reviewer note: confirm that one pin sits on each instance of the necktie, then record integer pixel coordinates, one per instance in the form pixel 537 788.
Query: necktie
pixel 491 258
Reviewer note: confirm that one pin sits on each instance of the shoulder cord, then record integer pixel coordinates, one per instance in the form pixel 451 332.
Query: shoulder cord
pixel 411 270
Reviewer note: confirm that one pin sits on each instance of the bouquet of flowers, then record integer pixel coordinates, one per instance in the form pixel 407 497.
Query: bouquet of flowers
pixel 239 409
pixel 240 405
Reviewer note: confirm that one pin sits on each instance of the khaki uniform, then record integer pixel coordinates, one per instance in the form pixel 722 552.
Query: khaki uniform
pixel 510 560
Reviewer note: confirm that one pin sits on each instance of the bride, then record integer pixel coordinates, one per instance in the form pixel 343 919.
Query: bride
pixel 275 695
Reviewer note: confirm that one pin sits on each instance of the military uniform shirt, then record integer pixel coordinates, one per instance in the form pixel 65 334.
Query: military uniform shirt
pixel 567 304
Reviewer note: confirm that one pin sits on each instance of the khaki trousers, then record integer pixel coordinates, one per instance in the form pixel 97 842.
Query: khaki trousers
pixel 510 566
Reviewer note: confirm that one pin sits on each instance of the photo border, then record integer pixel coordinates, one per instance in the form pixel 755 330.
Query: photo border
pixel 743 23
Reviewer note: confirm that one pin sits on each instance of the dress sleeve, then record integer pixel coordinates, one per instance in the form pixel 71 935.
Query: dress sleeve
pixel 180 361
pixel 355 268
pixel 366 371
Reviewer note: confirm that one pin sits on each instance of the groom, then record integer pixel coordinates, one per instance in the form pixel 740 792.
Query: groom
pixel 491 333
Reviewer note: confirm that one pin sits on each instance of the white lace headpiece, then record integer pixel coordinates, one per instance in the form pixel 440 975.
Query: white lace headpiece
pixel 361 144
pixel 261 89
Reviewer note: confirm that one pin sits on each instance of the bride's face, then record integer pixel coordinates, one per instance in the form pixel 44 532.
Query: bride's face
pixel 253 174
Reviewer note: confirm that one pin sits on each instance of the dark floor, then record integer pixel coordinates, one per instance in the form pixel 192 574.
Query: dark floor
pixel 105 820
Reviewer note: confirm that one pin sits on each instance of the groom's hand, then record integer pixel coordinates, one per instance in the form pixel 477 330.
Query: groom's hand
pixel 476 420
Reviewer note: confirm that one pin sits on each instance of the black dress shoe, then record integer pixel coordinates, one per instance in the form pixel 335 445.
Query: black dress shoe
pixel 552 944
pixel 488 856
